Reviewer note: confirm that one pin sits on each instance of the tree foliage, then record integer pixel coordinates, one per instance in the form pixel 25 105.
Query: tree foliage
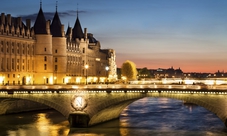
pixel 144 73
pixel 128 69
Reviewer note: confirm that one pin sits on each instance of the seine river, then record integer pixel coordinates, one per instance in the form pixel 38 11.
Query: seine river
pixel 145 117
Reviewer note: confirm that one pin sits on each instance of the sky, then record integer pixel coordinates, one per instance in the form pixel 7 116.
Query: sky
pixel 186 34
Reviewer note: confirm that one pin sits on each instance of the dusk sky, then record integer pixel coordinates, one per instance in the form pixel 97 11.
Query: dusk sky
pixel 190 34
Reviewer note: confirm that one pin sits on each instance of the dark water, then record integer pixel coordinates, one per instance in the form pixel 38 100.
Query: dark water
pixel 145 117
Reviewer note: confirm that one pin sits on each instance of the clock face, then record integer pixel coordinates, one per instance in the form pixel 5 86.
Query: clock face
pixel 78 103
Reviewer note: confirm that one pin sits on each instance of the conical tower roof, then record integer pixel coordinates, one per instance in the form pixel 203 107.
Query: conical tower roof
pixel 40 23
pixel 55 27
pixel 77 30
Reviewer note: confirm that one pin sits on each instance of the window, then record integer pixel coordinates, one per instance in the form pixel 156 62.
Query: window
pixel 83 50
pixel 7 63
pixel 2 63
pixel 56 51
pixel 23 49
pixel 18 50
pixel 12 63
pixel 56 59
pixel 45 49
pixel 45 58
pixel 28 49
pixel 28 64
pixel 55 67
pixel 12 48
pixel 45 66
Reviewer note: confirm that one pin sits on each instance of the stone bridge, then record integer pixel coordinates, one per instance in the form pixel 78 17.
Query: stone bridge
pixel 89 105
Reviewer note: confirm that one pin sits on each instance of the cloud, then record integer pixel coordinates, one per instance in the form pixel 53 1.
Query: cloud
pixel 50 15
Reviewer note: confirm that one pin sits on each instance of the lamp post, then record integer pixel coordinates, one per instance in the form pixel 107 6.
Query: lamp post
pixel 44 78
pixel 107 69
pixel 55 78
pixel 18 76
pixel 86 67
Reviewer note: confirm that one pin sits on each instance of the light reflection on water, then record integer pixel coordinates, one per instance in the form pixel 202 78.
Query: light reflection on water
pixel 148 116
pixel 45 123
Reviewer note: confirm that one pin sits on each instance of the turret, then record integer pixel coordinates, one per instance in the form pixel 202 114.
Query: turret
pixel 77 30
pixel 56 26
pixel 40 23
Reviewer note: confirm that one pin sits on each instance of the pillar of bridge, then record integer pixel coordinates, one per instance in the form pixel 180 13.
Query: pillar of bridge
pixel 79 120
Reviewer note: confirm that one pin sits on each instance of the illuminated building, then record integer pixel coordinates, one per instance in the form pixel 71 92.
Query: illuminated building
pixel 45 54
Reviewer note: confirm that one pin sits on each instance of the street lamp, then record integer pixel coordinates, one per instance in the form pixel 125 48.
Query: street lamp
pixel 107 69
pixel 18 76
pixel 44 78
pixel 55 80
pixel 86 67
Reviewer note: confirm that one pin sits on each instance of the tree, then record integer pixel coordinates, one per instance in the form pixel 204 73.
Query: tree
pixel 128 70
pixel 144 73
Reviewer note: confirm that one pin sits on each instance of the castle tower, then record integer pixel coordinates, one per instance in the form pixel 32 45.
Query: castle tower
pixel 59 50
pixel 43 50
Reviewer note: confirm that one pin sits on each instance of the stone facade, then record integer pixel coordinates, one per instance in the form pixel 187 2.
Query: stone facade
pixel 45 54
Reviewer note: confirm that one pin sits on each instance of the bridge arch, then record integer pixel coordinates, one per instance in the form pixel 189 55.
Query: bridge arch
pixel 112 107
pixel 45 99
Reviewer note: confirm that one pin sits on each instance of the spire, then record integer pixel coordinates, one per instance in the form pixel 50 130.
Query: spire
pixel 55 27
pixel 77 29
pixel 40 3
pixel 56 6
pixel 40 22
pixel 77 10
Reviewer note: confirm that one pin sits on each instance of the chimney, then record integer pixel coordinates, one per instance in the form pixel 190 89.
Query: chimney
pixel 28 23
pixel 48 26
pixel 62 30
pixel 19 21
pixel 3 18
pixel 85 33
pixel 9 19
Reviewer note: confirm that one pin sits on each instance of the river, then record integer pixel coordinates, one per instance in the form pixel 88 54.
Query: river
pixel 147 116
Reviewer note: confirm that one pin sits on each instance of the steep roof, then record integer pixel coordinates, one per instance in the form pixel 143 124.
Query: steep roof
pixel 77 30
pixel 68 31
pixel 40 23
pixel 55 27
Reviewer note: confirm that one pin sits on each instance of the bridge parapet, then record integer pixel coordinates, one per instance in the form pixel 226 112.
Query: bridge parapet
pixel 114 86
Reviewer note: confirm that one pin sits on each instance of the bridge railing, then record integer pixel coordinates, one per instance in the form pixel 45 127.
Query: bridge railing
pixel 116 86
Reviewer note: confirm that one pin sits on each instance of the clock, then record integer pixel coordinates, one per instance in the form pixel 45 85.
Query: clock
pixel 78 103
